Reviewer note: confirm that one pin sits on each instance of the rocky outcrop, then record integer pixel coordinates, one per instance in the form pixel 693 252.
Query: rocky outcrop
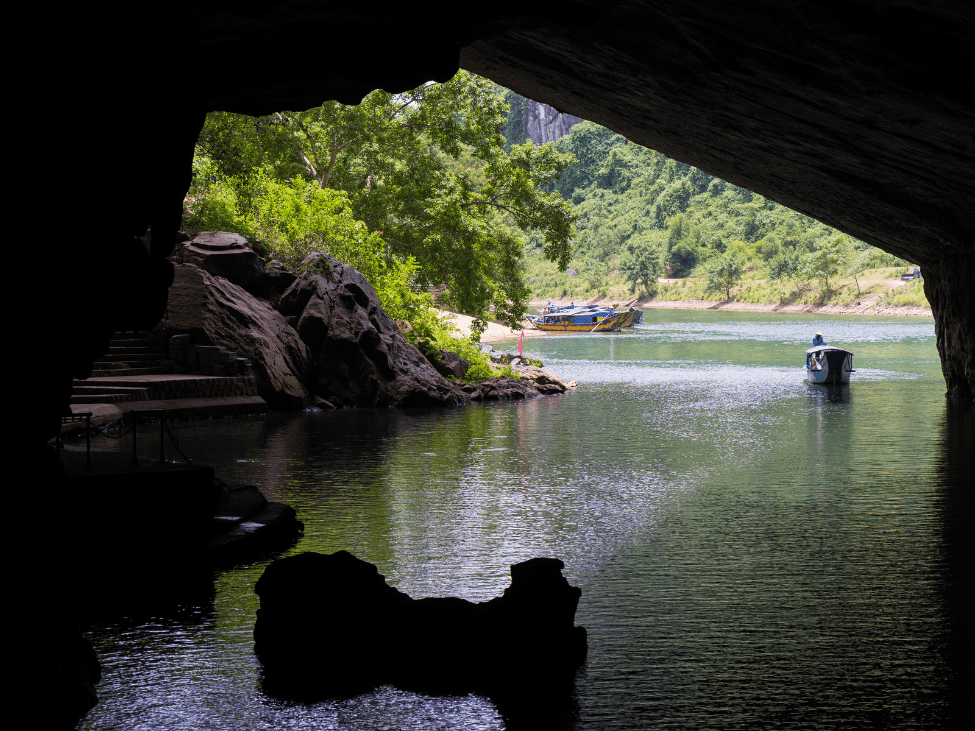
pixel 329 342
pixel 950 288
pixel 546 382
pixel 359 356
pixel 226 255
pixel 217 312
pixel 539 122
pixel 501 388
pixel 331 625
pixel 447 364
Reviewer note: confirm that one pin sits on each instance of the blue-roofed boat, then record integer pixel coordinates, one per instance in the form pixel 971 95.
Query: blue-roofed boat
pixel 585 318
pixel 829 365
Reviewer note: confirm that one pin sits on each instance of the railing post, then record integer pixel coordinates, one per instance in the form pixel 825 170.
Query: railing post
pixel 88 441
pixel 135 439
pixel 162 434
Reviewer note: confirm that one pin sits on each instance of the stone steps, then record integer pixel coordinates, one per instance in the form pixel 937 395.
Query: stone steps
pixel 131 376
pixel 85 394
pixel 168 386
pixel 125 370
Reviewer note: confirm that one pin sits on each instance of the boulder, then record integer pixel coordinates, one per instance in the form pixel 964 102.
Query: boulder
pixel 217 312
pixel 278 276
pixel 359 356
pixel 447 364
pixel 226 255
pixel 330 625
pixel 546 382
pixel 501 388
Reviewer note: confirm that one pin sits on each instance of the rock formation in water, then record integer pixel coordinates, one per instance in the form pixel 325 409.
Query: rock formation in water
pixel 359 356
pixel 327 341
pixel 331 625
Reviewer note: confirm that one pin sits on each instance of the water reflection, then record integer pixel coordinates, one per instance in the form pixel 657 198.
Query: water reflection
pixel 753 551
pixel 957 502
pixel 833 393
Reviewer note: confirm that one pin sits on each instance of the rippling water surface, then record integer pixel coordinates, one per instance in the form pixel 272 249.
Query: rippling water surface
pixel 754 552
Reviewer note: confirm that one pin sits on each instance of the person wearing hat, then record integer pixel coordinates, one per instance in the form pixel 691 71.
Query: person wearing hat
pixel 818 339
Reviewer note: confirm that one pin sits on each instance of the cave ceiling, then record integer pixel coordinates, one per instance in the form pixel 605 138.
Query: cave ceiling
pixel 860 114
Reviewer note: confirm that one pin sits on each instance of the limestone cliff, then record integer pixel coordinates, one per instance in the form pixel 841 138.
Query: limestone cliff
pixel 540 123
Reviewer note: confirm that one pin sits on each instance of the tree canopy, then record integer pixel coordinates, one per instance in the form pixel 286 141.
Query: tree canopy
pixel 419 179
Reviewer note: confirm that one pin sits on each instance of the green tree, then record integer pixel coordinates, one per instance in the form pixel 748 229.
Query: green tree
pixel 640 265
pixel 786 265
pixel 724 271
pixel 829 258
pixel 425 171
pixel 856 262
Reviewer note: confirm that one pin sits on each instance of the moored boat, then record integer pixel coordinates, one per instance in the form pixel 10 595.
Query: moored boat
pixel 585 318
pixel 826 364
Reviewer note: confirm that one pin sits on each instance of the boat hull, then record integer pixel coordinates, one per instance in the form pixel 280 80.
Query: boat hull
pixel 828 376
pixel 565 324
pixel 828 366
pixel 586 319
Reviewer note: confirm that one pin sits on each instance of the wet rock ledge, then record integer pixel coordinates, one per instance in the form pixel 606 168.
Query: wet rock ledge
pixel 330 625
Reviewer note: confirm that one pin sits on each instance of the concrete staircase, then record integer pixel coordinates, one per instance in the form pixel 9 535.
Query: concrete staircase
pixel 132 376
pixel 131 355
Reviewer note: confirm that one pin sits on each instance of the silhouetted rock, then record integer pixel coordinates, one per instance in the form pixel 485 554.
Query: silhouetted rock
pixel 226 255
pixel 360 357
pixel 330 625
pixel 217 312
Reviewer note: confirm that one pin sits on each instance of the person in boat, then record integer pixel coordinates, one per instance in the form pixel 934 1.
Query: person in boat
pixel 818 339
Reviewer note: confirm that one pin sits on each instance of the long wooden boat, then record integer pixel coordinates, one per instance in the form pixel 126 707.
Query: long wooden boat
pixel 826 364
pixel 586 318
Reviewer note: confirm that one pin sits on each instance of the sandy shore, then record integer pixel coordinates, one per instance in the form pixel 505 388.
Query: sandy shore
pixel 495 330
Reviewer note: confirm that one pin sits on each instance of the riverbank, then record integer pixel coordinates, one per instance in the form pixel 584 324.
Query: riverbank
pixel 732 306
pixel 496 332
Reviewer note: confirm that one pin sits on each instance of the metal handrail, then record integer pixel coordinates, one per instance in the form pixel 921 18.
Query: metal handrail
pixel 74 418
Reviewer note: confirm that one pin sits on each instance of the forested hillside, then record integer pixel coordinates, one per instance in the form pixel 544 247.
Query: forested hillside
pixel 643 216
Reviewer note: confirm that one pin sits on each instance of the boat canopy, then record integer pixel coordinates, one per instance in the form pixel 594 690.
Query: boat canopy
pixel 824 348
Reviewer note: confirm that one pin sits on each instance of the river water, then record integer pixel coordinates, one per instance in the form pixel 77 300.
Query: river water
pixel 753 551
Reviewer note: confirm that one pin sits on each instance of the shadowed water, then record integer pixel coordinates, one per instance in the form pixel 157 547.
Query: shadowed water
pixel 754 552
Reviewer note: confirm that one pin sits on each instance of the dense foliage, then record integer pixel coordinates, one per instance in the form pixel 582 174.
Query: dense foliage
pixel 414 190
pixel 643 216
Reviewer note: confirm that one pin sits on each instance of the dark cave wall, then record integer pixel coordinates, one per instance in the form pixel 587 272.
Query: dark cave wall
pixel 852 113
